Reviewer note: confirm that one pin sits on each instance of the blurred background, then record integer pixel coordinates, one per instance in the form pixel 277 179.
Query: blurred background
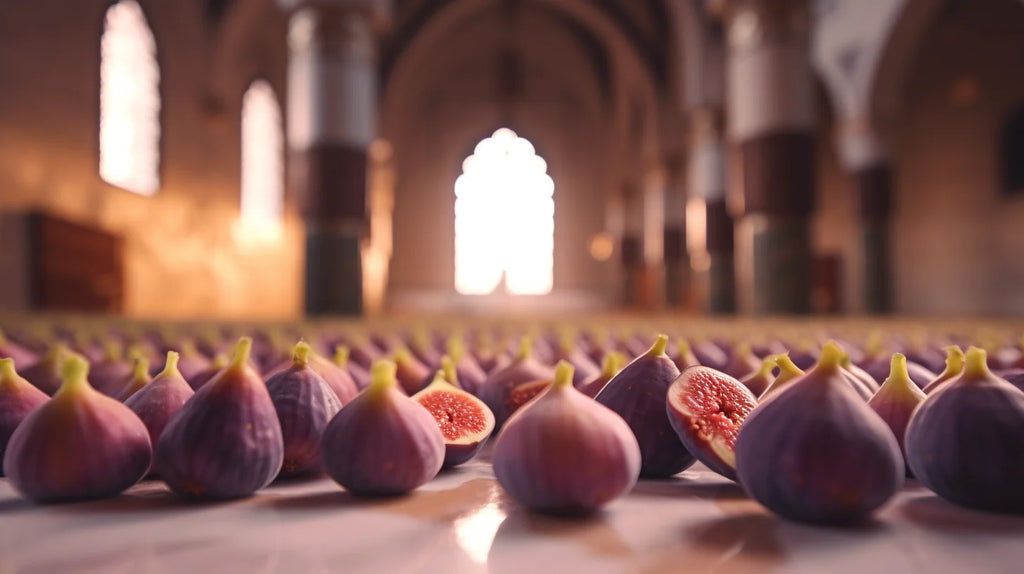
pixel 270 159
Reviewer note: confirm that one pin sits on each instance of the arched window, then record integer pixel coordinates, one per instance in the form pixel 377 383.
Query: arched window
pixel 129 101
pixel 1012 146
pixel 504 218
pixel 262 161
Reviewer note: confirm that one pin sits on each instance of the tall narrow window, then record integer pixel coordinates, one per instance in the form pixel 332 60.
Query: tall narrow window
pixel 504 219
pixel 262 161
pixel 129 101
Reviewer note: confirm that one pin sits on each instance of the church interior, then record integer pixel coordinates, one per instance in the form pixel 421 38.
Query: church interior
pixel 510 187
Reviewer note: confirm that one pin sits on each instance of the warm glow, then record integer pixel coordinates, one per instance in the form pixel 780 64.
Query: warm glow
pixel 504 218
pixel 475 532
pixel 602 246
pixel 129 101
pixel 262 163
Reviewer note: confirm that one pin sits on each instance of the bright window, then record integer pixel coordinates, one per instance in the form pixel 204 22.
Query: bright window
pixel 262 161
pixel 129 101
pixel 504 219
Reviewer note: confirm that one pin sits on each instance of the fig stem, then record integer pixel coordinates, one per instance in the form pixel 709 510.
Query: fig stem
pixel 975 363
pixel 341 354
pixel 455 347
pixel 220 361
pixel 3 338
pixel 448 370
pixel 171 365
pixel 683 348
pixel 659 346
pixel 525 344
pixel 563 375
pixel 767 366
pixel 300 354
pixel 899 377
pixel 112 351
pixel 140 371
pixel 831 357
pixel 613 362
pixel 7 371
pixel 242 349
pixel 75 374
pixel 402 355
pixel 954 362
pixel 382 376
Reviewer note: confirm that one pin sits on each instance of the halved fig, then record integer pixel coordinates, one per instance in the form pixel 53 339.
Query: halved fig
pixel 706 408
pixel 464 420
pixel 522 394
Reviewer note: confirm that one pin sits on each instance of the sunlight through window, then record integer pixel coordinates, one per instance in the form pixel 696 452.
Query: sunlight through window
pixel 504 219
pixel 129 101
pixel 262 162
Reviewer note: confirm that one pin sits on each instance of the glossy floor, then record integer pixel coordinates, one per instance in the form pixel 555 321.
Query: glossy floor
pixel 463 522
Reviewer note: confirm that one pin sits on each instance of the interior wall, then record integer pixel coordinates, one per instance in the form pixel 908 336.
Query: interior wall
pixel 958 240
pixel 182 258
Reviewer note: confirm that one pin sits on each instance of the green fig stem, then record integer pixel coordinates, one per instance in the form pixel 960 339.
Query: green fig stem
pixel 3 338
pixel 455 347
pixel 899 380
pixel 241 353
pixel 171 365
pixel 440 379
pixel 874 345
pixel 954 362
pixel 767 366
pixel 743 349
pixel 75 375
pixel 612 364
pixel 7 371
pixel 219 361
pixel 831 357
pixel 402 355
pixel 683 348
pixel 341 354
pixel 448 370
pixel 140 371
pixel 113 351
pixel 382 376
pixel 975 364
pixel 525 345
pixel 787 368
pixel 659 346
pixel 563 375
pixel 300 354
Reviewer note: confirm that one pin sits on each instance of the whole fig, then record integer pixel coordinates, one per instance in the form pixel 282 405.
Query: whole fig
pixel 47 373
pixel 161 399
pixel 138 379
pixel 759 381
pixel 80 445
pixel 896 400
pixel 383 443
pixel 564 453
pixel 18 398
pixel 816 452
pixel 613 362
pixel 954 366
pixel 523 369
pixel 638 394
pixel 226 441
pixel 965 441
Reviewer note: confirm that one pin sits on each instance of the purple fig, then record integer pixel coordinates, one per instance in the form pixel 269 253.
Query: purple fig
pixel 12 350
pixel 471 375
pixel 965 441
pixel 816 452
pixel 199 380
pixel 759 381
pixel 524 369
pixel 613 362
pixel 337 378
pixel 684 357
pixel 136 381
pixel 709 354
pixel 638 394
pixel 47 373
pixel 226 441
pixel 742 362
pixel 18 398
pixel 954 366
pixel 1015 377
pixel 110 374
pixel 412 374
pixel 359 375
pixel 80 445
pixel 464 420
pixel 304 404
pixel 424 350
pixel 383 443
pixel 788 373
pixel 190 362
pixel 707 408
pixel 585 368
pixel 157 402
pixel 896 400
pixel 564 453
pixel 859 375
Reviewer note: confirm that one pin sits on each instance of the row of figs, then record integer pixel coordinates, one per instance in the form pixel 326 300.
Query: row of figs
pixel 816 434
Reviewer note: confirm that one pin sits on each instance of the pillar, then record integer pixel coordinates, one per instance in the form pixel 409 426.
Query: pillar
pixel 332 120
pixel 674 254
pixel 771 117
pixel 632 248
pixel 707 190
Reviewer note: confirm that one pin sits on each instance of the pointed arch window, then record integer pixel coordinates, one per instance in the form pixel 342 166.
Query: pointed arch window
pixel 262 204
pixel 504 219
pixel 129 101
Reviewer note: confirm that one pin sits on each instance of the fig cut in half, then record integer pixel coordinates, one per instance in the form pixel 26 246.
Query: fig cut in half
pixel 464 420
pixel 706 408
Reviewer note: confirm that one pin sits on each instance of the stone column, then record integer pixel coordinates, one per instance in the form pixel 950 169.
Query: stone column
pixel 707 189
pixel 770 111
pixel 674 254
pixel 332 120
pixel 865 158
pixel 632 247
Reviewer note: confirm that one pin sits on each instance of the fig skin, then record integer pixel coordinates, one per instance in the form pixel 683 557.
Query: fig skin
pixel 613 362
pixel 464 420
pixel 110 374
pixel 954 366
pixel 136 381
pixel 759 381
pixel 336 377
pixel 742 362
pixel 788 373
pixel 637 394
pixel 964 442
pixel 585 368
pixel 471 375
pixel 80 445
pixel 190 362
pixel 707 408
pixel 524 369
pixel 199 380
pixel 304 404
pixel 18 398
pixel 709 354
pixel 12 350
pixel 156 403
pixel 896 400
pixel 684 357
pixel 383 443
pixel 815 452
pixel 46 373
pixel 226 441
pixel 412 374
pixel 564 453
